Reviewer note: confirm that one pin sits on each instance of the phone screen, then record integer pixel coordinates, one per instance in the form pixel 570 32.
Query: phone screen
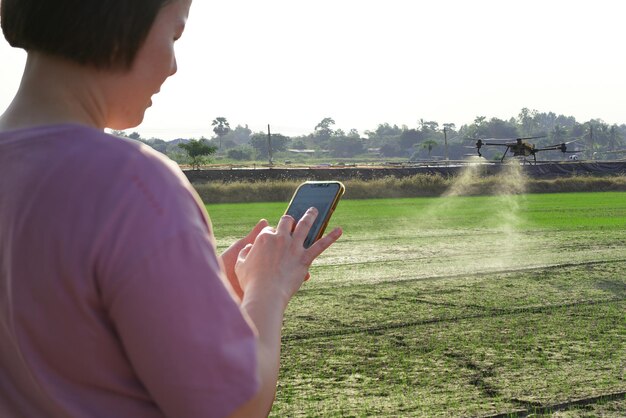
pixel 321 195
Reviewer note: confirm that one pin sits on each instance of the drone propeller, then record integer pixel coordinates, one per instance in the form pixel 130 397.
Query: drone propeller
pixel 531 137
pixel 573 140
pixel 505 142
pixel 564 143
pixel 491 140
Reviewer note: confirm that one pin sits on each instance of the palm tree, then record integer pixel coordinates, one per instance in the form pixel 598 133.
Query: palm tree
pixel 221 128
pixel 478 120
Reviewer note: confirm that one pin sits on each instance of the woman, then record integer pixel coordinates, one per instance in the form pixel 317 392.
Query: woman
pixel 112 299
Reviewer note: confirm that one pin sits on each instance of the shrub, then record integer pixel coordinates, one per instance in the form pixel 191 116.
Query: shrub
pixel 414 186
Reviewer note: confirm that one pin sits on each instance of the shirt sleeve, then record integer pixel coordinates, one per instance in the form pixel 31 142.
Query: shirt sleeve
pixel 183 333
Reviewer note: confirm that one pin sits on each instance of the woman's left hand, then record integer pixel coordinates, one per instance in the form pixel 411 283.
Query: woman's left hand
pixel 229 257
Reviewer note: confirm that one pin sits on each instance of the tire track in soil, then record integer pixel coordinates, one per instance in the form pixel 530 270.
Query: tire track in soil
pixel 533 408
pixel 381 329
pixel 479 381
pixel 465 275
pixel 464 254
pixel 461 233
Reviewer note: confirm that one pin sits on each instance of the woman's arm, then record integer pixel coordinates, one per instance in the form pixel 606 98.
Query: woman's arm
pixel 270 272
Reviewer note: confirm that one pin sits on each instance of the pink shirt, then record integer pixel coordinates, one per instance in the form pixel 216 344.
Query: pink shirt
pixel 112 300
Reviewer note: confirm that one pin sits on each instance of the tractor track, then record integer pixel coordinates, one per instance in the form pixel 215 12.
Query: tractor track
pixel 491 313
pixel 456 234
pixel 466 254
pixel 399 279
pixel 531 408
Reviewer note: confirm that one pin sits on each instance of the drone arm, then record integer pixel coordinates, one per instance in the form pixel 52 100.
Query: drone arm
pixel 550 148
pixel 497 143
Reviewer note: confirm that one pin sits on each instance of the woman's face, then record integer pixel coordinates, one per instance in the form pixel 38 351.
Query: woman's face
pixel 130 92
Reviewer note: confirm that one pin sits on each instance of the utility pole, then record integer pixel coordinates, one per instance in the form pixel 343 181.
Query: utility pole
pixel 445 140
pixel 269 144
pixel 591 140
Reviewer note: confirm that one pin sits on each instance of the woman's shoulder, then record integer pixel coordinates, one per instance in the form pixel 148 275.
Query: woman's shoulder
pixel 101 145
pixel 88 147
pixel 74 153
pixel 127 159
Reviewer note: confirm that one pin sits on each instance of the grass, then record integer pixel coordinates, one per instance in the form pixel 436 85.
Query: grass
pixel 421 185
pixel 457 306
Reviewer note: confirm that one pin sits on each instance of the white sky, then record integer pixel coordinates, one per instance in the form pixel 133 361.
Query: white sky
pixel 291 63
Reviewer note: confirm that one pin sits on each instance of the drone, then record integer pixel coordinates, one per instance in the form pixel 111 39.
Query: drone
pixel 520 148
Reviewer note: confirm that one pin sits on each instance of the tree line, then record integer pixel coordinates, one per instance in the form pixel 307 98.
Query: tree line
pixel 425 141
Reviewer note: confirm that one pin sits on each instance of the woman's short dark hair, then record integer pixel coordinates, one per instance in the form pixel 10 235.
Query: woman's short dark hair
pixel 102 33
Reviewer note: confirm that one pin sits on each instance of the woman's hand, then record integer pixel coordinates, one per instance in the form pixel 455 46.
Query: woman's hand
pixel 229 257
pixel 276 264
pixel 270 271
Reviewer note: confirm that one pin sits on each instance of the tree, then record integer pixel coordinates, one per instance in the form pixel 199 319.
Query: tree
pixel 344 146
pixel 221 128
pixel 478 120
pixel 385 130
pixel 601 133
pixel 298 144
pixel 565 121
pixel 475 130
pixel 526 119
pixel 242 152
pixel 354 134
pixel 121 134
pixel 198 151
pixel 558 133
pixel 241 134
pixel 614 138
pixel 259 143
pixel 451 127
pixel 410 137
pixel 498 128
pixel 430 126
pixel 392 149
pixel 323 130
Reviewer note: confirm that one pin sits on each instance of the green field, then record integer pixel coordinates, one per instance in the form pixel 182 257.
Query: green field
pixel 457 306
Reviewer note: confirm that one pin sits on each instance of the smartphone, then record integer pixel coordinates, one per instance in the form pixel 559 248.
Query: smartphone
pixel 322 195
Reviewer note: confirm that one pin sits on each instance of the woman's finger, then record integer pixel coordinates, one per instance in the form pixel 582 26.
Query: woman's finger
pixel 321 245
pixel 304 225
pixel 256 231
pixel 285 225
pixel 267 230
pixel 244 252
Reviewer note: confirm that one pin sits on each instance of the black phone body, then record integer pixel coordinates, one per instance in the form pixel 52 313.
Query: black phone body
pixel 322 195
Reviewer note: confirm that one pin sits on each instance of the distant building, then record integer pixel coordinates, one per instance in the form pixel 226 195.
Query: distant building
pixel 302 151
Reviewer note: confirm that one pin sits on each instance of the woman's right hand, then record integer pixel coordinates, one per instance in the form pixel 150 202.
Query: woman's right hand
pixel 270 272
pixel 276 264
